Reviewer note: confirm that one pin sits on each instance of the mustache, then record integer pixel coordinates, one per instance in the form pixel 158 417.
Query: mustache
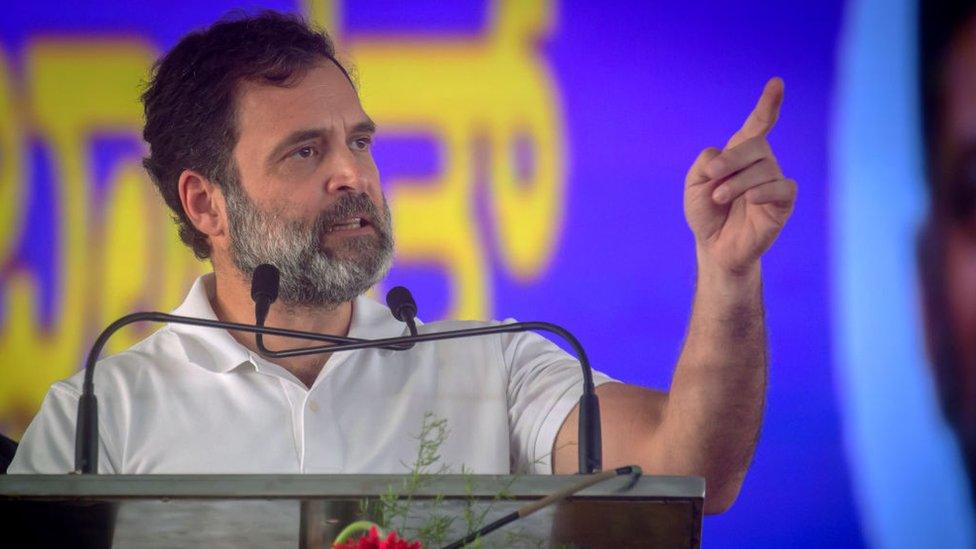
pixel 352 205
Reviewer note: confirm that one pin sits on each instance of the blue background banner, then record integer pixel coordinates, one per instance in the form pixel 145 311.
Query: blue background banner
pixel 534 155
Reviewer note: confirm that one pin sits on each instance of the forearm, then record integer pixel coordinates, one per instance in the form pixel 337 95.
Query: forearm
pixel 713 413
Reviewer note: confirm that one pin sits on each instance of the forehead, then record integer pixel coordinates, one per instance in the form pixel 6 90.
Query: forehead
pixel 323 97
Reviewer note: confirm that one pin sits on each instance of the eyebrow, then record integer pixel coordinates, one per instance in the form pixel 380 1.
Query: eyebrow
pixel 296 137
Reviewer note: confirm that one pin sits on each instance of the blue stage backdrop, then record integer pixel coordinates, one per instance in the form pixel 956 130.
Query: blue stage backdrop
pixel 533 154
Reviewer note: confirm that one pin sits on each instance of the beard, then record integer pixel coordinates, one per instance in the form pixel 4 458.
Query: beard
pixel 312 273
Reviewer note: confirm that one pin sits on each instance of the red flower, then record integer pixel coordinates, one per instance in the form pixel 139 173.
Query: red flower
pixel 372 541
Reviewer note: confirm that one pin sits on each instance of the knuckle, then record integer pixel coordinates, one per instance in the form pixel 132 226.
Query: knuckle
pixel 709 152
pixel 707 155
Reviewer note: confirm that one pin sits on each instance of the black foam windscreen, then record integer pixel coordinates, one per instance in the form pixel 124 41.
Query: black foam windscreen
pixel 264 283
pixel 401 303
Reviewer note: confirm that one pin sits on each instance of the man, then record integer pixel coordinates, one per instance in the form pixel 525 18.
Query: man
pixel 947 243
pixel 260 146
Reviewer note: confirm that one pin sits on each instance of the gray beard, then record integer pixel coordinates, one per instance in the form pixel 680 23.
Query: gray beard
pixel 312 274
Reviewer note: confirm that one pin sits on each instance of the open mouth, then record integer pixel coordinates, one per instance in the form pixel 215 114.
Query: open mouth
pixel 349 224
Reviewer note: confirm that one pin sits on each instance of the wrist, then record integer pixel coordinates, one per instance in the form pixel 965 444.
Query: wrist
pixel 726 287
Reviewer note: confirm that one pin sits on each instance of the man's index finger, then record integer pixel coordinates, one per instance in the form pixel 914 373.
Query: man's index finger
pixel 763 115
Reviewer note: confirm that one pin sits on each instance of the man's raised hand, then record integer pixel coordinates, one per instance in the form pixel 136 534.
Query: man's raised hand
pixel 736 199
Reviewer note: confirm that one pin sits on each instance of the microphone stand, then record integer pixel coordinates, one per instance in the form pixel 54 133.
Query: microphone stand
pixel 86 433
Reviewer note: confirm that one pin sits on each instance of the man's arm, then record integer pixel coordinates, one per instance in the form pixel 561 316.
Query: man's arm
pixel 708 423
pixel 48 445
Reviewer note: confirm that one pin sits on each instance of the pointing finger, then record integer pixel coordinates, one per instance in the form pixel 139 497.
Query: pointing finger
pixel 763 116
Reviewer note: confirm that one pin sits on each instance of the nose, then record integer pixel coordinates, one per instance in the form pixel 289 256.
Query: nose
pixel 345 174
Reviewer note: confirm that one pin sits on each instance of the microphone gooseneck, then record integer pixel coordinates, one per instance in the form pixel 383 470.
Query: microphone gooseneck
pixel 86 430
pixel 264 291
pixel 402 304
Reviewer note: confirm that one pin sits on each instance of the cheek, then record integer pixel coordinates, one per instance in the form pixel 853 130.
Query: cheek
pixel 368 169
pixel 961 290
pixel 371 176
pixel 294 171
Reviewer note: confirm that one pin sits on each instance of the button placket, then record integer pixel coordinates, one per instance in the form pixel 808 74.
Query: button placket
pixel 325 449
pixel 295 398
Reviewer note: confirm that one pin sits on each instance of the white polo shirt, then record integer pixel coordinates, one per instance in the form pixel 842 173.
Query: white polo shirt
pixel 192 400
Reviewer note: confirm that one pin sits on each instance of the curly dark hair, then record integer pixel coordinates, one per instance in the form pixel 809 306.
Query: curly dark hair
pixel 190 100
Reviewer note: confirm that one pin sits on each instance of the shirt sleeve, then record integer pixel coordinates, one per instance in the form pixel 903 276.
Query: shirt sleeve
pixel 48 445
pixel 545 383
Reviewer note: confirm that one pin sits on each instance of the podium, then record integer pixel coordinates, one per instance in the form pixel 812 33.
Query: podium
pixel 308 511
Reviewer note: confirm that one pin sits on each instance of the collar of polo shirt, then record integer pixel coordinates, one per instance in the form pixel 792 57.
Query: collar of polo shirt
pixel 217 351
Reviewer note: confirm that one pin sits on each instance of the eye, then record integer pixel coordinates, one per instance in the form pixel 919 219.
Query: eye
pixel 362 143
pixel 304 152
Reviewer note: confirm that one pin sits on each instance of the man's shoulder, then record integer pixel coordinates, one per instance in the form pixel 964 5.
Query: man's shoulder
pixel 448 325
pixel 510 347
pixel 160 347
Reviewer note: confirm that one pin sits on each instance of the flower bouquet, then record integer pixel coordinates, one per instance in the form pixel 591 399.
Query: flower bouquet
pixel 352 537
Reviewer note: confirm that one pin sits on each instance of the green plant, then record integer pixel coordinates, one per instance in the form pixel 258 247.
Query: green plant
pixel 395 510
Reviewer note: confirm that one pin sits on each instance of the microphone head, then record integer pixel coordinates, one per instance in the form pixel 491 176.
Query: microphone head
pixel 401 303
pixel 264 283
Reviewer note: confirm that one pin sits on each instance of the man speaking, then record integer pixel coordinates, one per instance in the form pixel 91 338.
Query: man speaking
pixel 259 145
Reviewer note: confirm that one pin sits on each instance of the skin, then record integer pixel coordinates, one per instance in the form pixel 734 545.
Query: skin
pixel 955 151
pixel 706 425
pixel 736 203
pixel 300 181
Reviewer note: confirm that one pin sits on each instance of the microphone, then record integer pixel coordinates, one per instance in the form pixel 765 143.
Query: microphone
pixel 86 428
pixel 404 308
pixel 264 290
pixel 401 304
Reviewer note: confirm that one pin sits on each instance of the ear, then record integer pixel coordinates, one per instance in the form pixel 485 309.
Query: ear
pixel 203 203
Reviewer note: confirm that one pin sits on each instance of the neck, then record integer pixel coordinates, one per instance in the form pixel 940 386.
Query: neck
pixel 231 301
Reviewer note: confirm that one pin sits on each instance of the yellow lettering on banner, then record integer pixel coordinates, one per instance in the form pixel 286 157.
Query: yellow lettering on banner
pixel 525 103
pixel 11 163
pixel 72 89
pixel 113 260
pixel 459 91
pixel 118 251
